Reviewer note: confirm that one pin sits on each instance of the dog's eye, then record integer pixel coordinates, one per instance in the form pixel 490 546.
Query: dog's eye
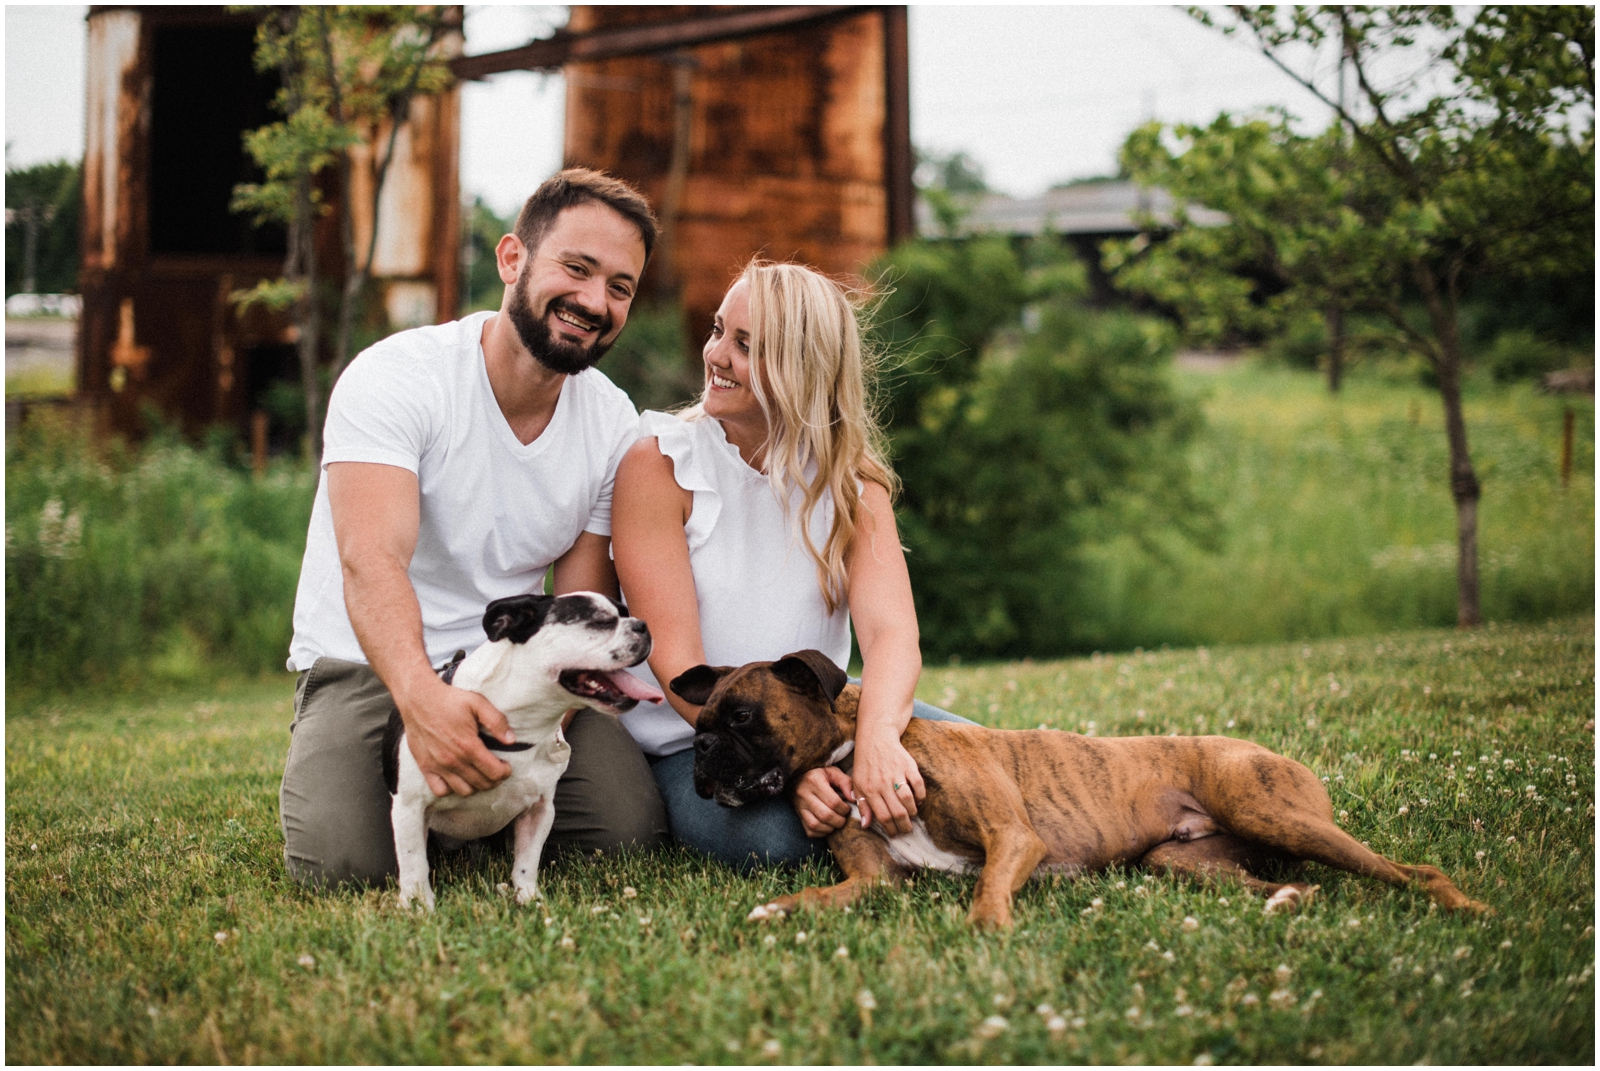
pixel 740 717
pixel 622 611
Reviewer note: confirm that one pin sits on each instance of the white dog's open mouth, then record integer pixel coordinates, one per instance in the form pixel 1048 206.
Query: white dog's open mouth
pixel 617 688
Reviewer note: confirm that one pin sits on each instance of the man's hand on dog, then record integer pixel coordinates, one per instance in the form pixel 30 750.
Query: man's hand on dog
pixel 442 731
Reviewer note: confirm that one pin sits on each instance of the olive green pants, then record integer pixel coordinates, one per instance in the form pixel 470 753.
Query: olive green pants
pixel 335 807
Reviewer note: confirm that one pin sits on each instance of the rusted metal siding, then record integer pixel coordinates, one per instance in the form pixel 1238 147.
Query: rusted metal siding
pixel 785 152
pixel 157 327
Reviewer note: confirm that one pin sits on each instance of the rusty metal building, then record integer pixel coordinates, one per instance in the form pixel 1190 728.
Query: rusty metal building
pixel 780 130
pixel 170 92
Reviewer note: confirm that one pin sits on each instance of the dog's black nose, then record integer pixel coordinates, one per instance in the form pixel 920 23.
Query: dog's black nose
pixel 704 744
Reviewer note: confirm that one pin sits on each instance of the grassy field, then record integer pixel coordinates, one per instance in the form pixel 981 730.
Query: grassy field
pixel 1336 520
pixel 148 918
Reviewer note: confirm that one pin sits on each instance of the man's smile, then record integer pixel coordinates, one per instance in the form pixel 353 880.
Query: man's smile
pixel 576 320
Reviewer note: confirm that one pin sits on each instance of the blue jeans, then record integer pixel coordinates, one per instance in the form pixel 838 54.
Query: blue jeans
pixel 767 833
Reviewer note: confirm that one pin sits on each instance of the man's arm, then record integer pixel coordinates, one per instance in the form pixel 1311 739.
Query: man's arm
pixel 587 567
pixel 376 515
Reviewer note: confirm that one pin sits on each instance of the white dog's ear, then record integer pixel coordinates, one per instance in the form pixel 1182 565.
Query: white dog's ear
pixel 516 618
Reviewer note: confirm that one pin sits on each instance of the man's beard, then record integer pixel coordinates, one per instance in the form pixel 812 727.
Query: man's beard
pixel 534 331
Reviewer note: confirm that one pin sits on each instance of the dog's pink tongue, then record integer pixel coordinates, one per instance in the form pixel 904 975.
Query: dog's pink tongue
pixel 633 687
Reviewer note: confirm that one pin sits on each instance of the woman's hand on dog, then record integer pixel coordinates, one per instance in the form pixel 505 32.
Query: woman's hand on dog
pixel 881 764
pixel 442 731
pixel 822 799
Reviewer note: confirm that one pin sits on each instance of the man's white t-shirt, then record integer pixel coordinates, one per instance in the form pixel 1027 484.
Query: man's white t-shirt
pixel 495 513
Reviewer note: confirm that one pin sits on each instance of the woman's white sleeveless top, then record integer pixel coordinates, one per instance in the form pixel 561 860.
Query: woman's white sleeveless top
pixel 755 584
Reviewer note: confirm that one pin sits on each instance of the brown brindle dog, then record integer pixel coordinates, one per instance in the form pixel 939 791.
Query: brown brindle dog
pixel 1010 804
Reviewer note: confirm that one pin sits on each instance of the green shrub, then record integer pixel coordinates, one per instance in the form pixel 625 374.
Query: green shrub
pixel 1017 454
pixel 125 564
pixel 1520 354
pixel 1303 342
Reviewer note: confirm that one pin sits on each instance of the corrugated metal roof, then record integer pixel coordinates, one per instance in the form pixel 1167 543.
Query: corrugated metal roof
pixel 1092 208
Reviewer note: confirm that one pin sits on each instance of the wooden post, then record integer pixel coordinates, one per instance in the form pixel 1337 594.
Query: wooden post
pixel 1566 448
pixel 258 442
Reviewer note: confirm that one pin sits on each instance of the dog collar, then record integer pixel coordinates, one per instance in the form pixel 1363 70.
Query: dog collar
pixel 494 745
pixel 447 673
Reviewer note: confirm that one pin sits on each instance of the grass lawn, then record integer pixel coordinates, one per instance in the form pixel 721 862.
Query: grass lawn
pixel 1336 519
pixel 148 918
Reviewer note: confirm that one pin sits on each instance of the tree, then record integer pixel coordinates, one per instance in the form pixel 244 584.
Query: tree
pixel 42 208
pixel 348 75
pixel 1407 193
pixel 1017 447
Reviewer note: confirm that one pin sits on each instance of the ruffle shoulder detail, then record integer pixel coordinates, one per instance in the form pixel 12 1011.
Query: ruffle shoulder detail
pixel 683 441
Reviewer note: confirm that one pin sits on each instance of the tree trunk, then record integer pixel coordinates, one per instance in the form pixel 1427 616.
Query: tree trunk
pixel 1333 316
pixel 303 255
pixel 1463 481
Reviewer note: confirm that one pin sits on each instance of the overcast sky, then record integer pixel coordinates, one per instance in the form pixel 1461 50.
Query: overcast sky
pixel 1036 95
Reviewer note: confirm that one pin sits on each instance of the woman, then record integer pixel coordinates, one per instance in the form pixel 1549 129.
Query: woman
pixel 758 523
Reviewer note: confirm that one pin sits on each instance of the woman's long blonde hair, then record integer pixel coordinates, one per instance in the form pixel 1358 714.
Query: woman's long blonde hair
pixel 810 373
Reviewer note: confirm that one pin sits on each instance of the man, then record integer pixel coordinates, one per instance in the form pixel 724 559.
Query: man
pixel 461 462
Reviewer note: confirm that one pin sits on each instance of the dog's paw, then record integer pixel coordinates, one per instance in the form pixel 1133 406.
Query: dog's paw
pixel 1289 898
pixel 762 912
pixel 418 899
pixel 527 896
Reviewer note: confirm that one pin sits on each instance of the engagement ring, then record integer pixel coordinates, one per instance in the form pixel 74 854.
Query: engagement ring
pixel 897 786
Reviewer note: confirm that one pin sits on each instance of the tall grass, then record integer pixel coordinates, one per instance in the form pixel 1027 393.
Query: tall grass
pixel 154 562
pixel 163 561
pixel 1336 516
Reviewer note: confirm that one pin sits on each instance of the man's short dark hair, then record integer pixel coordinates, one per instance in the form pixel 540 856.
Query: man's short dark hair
pixel 576 186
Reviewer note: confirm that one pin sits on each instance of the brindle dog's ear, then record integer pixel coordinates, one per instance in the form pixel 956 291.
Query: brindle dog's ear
pixel 810 671
pixel 696 685
pixel 516 618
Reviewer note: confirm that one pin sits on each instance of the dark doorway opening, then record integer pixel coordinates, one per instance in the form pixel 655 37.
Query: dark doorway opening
pixel 272 386
pixel 206 94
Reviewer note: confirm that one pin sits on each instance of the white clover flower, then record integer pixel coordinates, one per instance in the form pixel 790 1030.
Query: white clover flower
pixel 1404 809
pixel 772 1047
pixel 629 892
pixel 306 960
pixel 1133 1014
pixel 1190 924
pixel 1283 972
pixel 841 952
pixel 769 940
pixel 1249 1000
pixel 1045 1010
pixel 220 936
pixel 1057 1026
pixel 865 1000
pixel 1001 1000
pixel 1168 956
pixel 598 909
pixel 993 1027
pixel 800 938
pixel 567 942
pixel 1281 999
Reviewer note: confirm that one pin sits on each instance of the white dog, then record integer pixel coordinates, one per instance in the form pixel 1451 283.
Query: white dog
pixel 545 655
